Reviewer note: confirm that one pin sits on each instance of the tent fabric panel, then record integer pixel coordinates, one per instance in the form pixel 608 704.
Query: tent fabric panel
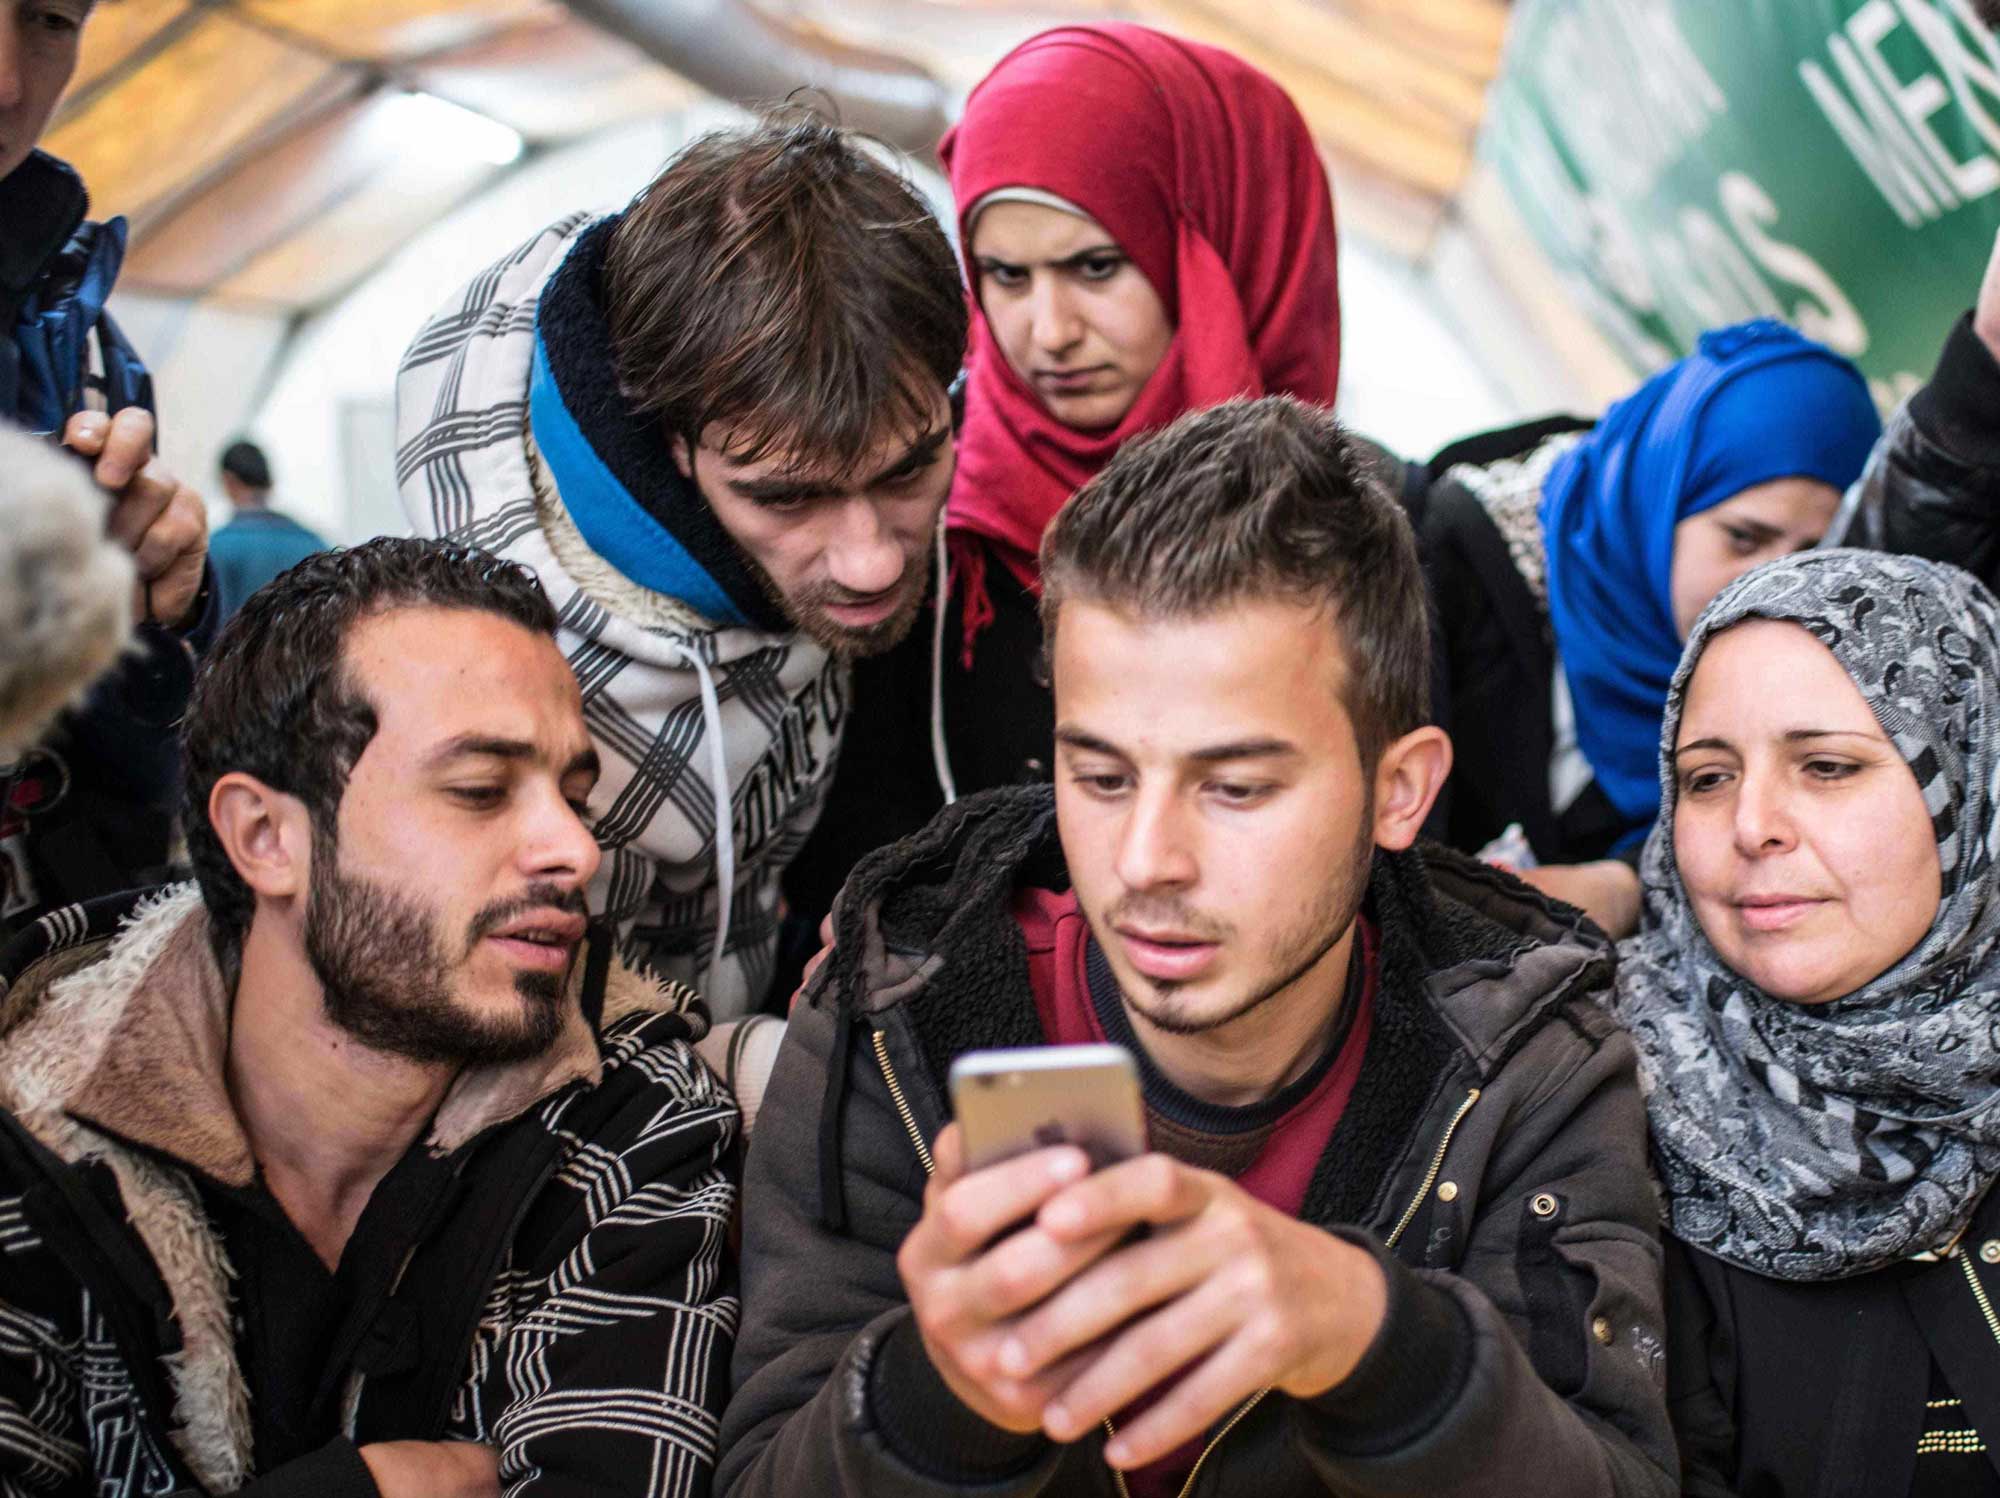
pixel 116 33
pixel 555 79
pixel 215 90
pixel 391 30
pixel 336 247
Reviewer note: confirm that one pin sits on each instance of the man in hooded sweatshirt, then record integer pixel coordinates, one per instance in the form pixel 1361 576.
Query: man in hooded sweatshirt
pixel 717 426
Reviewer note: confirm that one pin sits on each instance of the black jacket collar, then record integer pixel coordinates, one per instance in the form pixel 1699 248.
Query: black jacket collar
pixel 42 203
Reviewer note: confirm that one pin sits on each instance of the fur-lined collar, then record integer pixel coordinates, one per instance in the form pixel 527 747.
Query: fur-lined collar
pixel 134 1044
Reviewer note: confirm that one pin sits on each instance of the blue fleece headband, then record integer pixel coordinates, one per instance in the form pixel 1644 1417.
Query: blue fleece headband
pixel 612 523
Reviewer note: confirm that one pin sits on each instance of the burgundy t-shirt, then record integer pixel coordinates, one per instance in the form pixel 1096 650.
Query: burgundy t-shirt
pixel 1270 1149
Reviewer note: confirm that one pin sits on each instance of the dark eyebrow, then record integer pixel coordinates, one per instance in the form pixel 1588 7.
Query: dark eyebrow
pixel 469 745
pixel 1267 748
pixel 514 751
pixel 1090 743
pixel 1757 528
pixel 1792 736
pixel 781 490
pixel 1245 749
pixel 1068 262
pixel 917 455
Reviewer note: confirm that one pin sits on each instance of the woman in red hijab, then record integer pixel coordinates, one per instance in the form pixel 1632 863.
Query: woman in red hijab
pixel 1147 230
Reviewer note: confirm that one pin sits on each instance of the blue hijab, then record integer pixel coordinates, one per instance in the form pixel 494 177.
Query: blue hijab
pixel 1753 403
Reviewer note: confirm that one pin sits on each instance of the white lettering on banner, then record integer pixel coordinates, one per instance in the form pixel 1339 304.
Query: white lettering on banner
pixel 1885 121
pixel 1829 316
pixel 1952 46
pixel 1641 94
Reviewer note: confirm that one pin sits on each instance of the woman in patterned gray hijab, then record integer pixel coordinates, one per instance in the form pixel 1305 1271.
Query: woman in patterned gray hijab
pixel 1813 1141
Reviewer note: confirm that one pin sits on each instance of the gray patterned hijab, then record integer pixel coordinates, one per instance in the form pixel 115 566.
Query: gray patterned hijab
pixel 1813 1142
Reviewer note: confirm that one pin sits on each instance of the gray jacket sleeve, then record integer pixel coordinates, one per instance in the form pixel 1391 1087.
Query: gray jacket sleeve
pixel 1932 485
pixel 1560 1288
pixel 820 1307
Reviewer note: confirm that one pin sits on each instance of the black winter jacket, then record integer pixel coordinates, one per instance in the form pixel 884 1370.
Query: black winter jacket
pixel 1783 1390
pixel 1492 1156
pixel 568 1300
pixel 1494 661
pixel 1932 486
pixel 90 811
pixel 999 729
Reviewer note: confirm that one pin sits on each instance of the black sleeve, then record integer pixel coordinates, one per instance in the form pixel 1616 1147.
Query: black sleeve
pixel 1932 486
pixel 815 1407
pixel 1698 1360
pixel 334 1471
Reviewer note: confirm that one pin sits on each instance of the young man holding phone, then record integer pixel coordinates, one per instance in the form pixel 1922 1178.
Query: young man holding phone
pixel 1395 1232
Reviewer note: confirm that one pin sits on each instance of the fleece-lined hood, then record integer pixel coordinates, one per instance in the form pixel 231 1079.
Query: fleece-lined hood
pixel 717 723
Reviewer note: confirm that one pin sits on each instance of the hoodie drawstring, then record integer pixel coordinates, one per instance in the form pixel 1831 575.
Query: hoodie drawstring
pixel 725 814
pixel 939 756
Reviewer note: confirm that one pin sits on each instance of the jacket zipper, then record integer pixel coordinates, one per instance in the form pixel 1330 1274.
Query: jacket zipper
pixel 1431 1175
pixel 1409 1215
pixel 902 1103
pixel 1979 1293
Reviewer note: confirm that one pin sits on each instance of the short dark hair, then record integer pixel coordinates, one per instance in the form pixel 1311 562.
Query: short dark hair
pixel 1247 500
pixel 782 280
pixel 273 699
pixel 245 461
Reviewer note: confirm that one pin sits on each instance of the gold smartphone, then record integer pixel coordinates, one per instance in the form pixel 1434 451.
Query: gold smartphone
pixel 1012 1101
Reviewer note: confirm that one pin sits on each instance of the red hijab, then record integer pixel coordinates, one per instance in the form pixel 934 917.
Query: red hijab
pixel 1204 172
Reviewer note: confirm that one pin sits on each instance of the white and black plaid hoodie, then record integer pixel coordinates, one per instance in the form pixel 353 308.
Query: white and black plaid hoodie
pixel 572 1306
pixel 695 697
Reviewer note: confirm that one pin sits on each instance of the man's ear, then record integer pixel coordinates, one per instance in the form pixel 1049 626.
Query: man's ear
pixel 1408 777
pixel 683 456
pixel 266 835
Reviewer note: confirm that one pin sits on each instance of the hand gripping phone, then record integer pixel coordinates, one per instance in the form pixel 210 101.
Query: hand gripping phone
pixel 1009 1102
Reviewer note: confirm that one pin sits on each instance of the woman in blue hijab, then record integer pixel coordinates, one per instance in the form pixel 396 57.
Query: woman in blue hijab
pixel 1568 566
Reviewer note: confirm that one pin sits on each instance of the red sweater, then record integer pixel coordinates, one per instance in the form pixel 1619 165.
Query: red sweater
pixel 1270 1149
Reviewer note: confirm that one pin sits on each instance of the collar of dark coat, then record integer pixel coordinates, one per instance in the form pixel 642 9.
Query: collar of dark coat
pixel 613 467
pixel 42 203
pixel 130 1037
pixel 1472 963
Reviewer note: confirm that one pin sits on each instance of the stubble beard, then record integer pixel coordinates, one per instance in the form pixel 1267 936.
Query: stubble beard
pixel 807 611
pixel 385 974
pixel 1297 953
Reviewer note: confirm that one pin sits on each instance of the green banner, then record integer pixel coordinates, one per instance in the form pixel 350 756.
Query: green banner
pixel 1687 163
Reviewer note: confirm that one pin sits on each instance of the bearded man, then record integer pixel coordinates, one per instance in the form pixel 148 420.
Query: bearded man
pixel 357 1167
pixel 716 424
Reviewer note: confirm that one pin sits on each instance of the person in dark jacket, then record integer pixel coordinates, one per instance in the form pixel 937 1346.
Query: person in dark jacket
pixel 355 1168
pixel 1814 1002
pixel 1401 1238
pixel 89 809
pixel 1932 486
pixel 258 543
pixel 1567 561
pixel 1105 305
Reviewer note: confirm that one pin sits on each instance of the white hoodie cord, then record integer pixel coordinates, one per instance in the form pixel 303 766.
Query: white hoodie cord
pixel 939 757
pixel 725 816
